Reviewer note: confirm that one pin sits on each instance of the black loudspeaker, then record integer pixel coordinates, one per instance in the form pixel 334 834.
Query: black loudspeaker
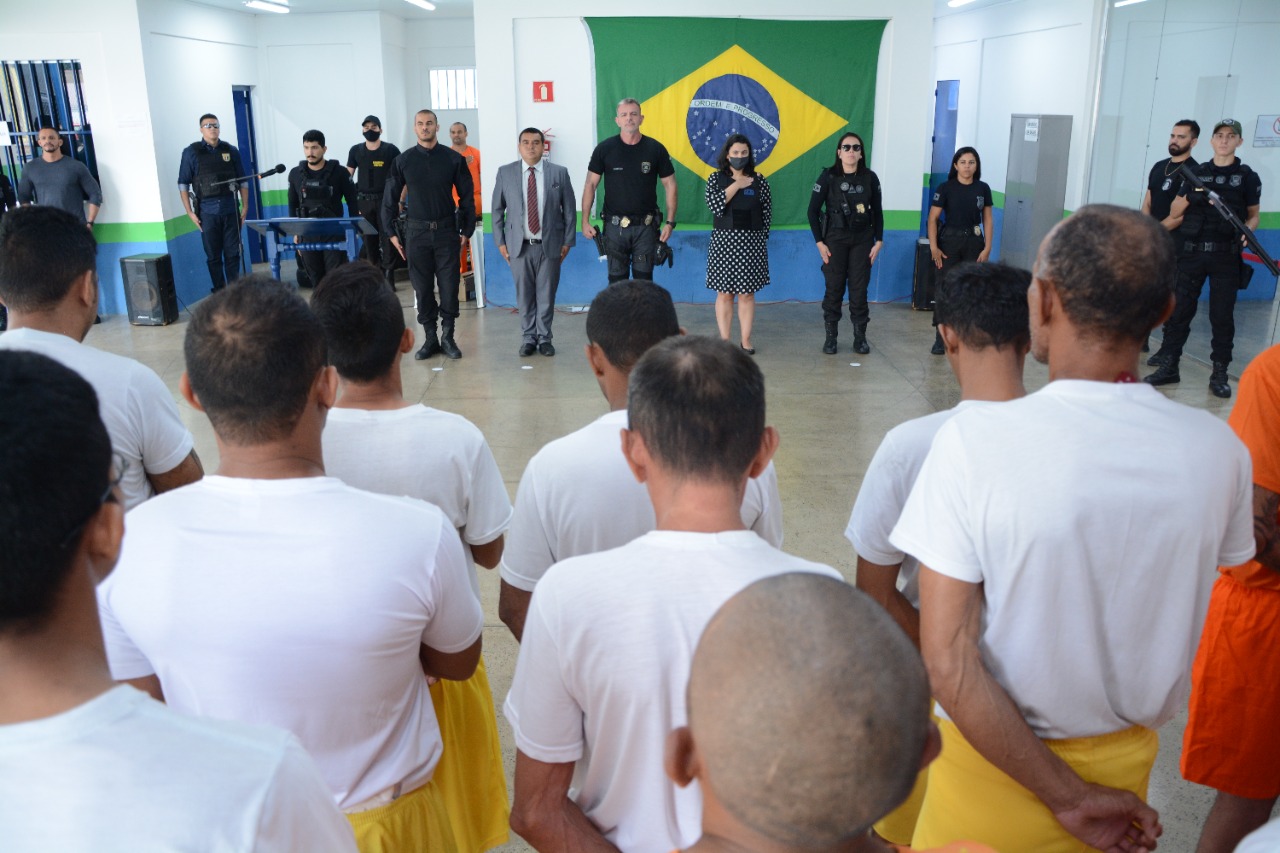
pixel 924 278
pixel 148 289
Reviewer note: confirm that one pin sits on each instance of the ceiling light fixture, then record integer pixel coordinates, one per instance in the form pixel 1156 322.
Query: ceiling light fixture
pixel 1120 3
pixel 423 4
pixel 955 3
pixel 268 6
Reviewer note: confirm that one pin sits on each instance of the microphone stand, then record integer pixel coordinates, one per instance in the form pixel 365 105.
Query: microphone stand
pixel 244 261
pixel 1230 215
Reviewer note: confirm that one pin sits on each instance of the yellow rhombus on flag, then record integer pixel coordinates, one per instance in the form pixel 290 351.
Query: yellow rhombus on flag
pixel 801 122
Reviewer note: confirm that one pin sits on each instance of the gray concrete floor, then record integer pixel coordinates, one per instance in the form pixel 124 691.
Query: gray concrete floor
pixel 831 411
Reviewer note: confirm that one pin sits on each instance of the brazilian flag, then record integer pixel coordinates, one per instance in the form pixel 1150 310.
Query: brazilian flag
pixel 791 87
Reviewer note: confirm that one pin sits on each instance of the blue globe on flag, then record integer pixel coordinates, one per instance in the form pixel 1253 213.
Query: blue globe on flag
pixel 728 104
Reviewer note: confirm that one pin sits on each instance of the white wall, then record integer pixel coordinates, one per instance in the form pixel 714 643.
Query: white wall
pixel 1027 56
pixel 522 43
pixel 193 55
pixel 104 37
pixel 442 43
pixel 1174 59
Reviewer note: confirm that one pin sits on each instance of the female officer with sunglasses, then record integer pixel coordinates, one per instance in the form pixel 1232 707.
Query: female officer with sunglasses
pixel 847 220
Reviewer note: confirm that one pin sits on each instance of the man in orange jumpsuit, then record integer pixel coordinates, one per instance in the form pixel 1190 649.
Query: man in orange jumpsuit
pixel 458 136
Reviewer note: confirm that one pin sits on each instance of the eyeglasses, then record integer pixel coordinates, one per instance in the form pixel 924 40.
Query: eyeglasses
pixel 211 126
pixel 847 147
pixel 119 464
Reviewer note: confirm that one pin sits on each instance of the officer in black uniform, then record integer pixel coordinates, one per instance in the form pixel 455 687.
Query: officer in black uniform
pixel 631 165
pixel 203 171
pixel 1208 246
pixel 846 216
pixel 317 188
pixel 436 228
pixel 369 162
pixel 1163 185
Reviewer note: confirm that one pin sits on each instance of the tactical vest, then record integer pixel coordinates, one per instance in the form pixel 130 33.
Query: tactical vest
pixel 848 202
pixel 316 193
pixel 1200 223
pixel 212 166
pixel 744 212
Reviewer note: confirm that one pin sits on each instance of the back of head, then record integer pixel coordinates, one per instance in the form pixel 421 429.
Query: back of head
pixel 698 403
pixel 253 351
pixel 1113 268
pixel 55 460
pixel 809 708
pixel 986 305
pixel 362 319
pixel 629 317
pixel 43 251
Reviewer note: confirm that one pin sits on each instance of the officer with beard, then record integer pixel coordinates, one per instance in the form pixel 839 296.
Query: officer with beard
pixel 317 188
pixel 369 162
pixel 1164 183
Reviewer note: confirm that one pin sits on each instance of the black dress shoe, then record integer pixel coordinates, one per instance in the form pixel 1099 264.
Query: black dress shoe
pixel 527 349
pixel 1166 374
pixel 546 348
pixel 1219 386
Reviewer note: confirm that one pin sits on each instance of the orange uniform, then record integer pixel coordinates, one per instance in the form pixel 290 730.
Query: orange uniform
pixel 1232 742
pixel 472 156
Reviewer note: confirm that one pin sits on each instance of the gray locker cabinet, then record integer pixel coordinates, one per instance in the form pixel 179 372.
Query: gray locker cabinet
pixel 1035 188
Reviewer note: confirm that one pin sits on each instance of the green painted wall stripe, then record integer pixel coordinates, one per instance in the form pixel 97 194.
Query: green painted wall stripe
pixel 129 232
pixel 272 198
pixel 1269 221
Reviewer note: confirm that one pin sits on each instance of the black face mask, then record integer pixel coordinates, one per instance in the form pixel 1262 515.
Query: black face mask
pixel 738 162
pixel 372 135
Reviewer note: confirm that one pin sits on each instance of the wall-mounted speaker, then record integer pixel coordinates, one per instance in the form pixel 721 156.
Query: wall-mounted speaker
pixel 148 289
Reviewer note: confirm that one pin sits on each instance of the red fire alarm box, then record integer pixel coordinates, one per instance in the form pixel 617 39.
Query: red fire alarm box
pixel 543 91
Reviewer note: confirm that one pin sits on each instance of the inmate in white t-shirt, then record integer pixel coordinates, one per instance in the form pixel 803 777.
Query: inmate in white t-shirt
pixel 578 496
pixel 301 603
pixel 124 773
pixel 1094 515
pixel 135 405
pixel 603 667
pixel 885 486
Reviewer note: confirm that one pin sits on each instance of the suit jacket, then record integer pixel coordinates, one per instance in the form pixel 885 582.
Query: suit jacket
pixel 559 215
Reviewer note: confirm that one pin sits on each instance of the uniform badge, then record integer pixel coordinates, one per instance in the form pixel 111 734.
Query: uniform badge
pixel 980 201
pixel 817 188
pixel 1168 182
pixel 1236 180
pixel 862 208
pixel 858 188
pixel 625 221
pixel 844 186
pixel 1221 179
pixel 378 164
pixel 645 167
pixel 937 196
pixel 226 156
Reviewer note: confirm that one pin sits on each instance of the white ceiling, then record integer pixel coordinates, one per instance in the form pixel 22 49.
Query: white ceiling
pixel 399 8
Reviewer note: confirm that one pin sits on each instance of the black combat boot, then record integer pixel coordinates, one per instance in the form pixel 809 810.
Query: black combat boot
pixel 938 347
pixel 1158 357
pixel 390 276
pixel 1166 373
pixel 447 346
pixel 860 344
pixel 1218 384
pixel 829 345
pixel 430 344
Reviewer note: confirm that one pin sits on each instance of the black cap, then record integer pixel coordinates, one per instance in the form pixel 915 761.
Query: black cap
pixel 371 120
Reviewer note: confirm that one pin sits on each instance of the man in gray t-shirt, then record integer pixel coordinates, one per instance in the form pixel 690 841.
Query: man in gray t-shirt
pixel 59 181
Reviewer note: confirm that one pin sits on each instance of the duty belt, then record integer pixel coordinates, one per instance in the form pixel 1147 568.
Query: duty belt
pixel 628 221
pixel 429 225
pixel 957 231
pixel 370 195
pixel 1208 247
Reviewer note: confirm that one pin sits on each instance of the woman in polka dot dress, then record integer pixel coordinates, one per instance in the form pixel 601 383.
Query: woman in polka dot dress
pixel 738 256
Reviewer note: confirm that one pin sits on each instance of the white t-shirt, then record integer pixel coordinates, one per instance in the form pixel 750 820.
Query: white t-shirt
pixel 423 453
pixel 300 603
pixel 1264 840
pixel 885 486
pixel 135 405
pixel 603 667
pixel 124 773
pixel 578 496
pixel 1094 515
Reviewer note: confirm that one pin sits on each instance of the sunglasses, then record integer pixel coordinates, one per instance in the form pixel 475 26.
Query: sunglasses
pixel 210 126
pixel 847 147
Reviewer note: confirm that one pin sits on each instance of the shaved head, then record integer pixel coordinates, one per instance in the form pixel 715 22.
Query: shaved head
pixel 809 709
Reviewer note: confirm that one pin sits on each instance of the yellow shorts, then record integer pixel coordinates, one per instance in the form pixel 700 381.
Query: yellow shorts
pixel 899 826
pixel 415 822
pixel 968 797
pixel 469 775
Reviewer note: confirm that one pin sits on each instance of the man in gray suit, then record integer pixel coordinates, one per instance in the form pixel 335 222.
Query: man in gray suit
pixel 535 212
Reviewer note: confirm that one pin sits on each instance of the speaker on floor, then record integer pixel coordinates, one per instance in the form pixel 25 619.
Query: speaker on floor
pixel 148 289
pixel 924 279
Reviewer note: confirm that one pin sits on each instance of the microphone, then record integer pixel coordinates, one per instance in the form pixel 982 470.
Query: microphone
pixel 276 171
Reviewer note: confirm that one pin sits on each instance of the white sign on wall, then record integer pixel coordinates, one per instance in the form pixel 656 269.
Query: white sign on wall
pixel 4 134
pixel 1031 132
pixel 1267 132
